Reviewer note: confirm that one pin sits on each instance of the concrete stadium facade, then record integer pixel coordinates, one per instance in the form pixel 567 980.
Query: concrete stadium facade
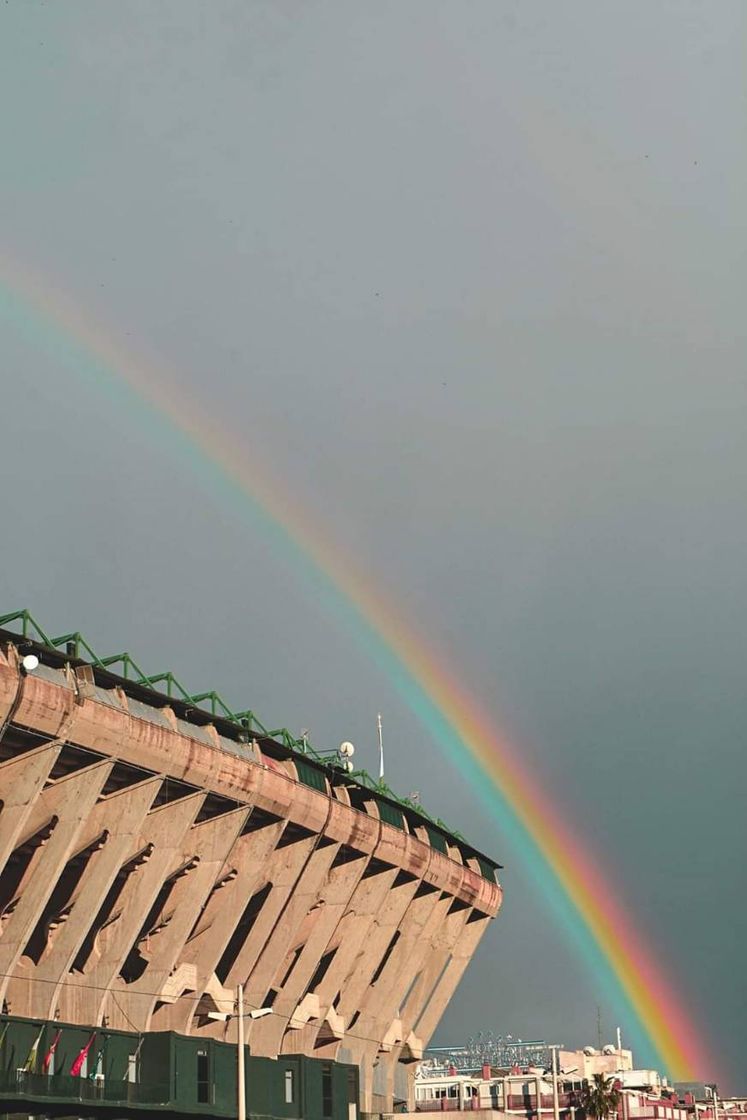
pixel 152 858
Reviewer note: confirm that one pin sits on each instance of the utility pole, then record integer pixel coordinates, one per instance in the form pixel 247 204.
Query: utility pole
pixel 555 1097
pixel 381 748
pixel 241 1056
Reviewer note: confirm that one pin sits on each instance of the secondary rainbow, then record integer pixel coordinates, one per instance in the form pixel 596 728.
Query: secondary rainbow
pixel 571 881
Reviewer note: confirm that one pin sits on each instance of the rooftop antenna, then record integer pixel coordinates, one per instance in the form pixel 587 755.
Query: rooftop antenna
pixel 599 1027
pixel 381 749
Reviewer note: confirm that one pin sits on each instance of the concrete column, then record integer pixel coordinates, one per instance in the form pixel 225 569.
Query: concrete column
pixel 69 801
pixel 444 930
pixel 21 781
pixel 349 940
pixel 122 813
pixel 460 956
pixel 226 904
pixel 410 1050
pixel 372 950
pixel 293 1006
pixel 379 1006
pixel 287 936
pixel 282 869
pixel 441 946
pixel 85 995
pixel 208 844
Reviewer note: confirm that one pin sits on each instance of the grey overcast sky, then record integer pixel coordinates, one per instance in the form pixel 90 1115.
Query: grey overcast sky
pixel 469 277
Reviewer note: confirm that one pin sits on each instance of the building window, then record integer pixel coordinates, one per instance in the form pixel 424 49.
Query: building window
pixel 327 1092
pixel 453 1090
pixel 289 1086
pixel 203 1077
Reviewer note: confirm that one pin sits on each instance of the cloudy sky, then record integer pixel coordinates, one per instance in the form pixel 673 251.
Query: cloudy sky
pixel 468 279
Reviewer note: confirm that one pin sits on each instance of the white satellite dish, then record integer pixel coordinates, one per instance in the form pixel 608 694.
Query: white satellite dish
pixel 347 750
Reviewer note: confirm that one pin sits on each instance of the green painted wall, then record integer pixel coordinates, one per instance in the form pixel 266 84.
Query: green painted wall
pixel 174 1073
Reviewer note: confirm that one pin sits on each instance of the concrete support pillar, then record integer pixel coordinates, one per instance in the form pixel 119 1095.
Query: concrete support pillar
pixel 204 851
pixel 282 869
pixel 409 1050
pixel 460 956
pixel 287 937
pixel 245 873
pixel 380 1003
pixel 121 815
pixel 373 949
pixel 85 996
pixel 349 940
pixel 64 806
pixel 21 781
pixel 294 1005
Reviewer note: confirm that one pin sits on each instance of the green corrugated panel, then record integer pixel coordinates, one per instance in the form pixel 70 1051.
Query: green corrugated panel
pixel 310 775
pixel 224 1078
pixel 159 1063
pixel 391 815
pixel 438 841
pixel 488 871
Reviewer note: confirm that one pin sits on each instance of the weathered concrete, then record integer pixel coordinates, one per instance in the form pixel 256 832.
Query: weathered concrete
pixel 121 815
pixel 244 874
pixel 129 900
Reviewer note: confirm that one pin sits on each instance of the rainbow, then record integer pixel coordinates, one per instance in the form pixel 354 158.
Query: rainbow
pixel 573 885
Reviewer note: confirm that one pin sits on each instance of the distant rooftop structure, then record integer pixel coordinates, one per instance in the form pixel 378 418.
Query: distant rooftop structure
pixel 487 1048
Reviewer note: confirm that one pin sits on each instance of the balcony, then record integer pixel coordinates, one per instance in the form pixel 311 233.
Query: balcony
pixel 61 1087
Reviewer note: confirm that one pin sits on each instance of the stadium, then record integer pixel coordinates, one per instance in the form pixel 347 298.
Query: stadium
pixel 190 901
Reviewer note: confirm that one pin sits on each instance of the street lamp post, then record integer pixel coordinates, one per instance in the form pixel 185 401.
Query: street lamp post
pixel 257 1013
pixel 555 1097
pixel 241 1056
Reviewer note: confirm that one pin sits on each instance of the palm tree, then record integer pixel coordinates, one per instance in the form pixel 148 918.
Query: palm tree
pixel 600 1097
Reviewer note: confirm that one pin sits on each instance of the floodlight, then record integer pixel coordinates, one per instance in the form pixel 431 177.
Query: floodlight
pixel 29 663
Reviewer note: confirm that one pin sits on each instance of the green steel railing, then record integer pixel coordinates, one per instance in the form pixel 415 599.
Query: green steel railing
pixel 18 1083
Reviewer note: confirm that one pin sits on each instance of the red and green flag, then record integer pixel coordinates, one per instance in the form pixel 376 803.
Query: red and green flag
pixel 77 1066
pixel 49 1054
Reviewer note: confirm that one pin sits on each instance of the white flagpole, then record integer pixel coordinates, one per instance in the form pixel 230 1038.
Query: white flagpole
pixel 381 748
